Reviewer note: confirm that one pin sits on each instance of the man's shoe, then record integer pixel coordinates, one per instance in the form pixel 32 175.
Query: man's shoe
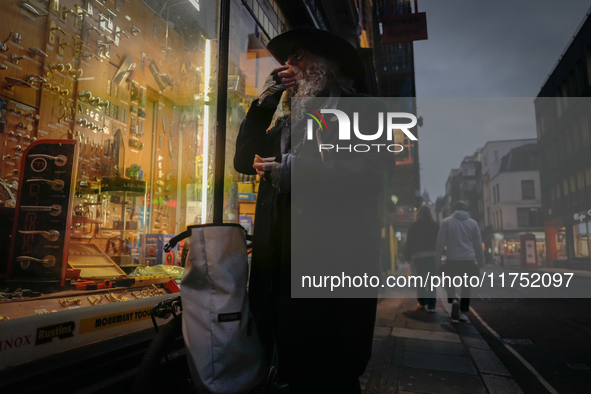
pixel 455 311
pixel 463 318
pixel 430 310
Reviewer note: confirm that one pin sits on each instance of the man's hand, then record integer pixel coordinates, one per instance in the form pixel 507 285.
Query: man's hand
pixel 259 167
pixel 276 83
pixel 287 78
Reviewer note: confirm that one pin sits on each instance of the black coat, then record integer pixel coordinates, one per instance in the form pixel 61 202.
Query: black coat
pixel 421 237
pixel 319 338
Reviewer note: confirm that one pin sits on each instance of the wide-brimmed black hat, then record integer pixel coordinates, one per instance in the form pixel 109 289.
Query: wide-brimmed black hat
pixel 321 43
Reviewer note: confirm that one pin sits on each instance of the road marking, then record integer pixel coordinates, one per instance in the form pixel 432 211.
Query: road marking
pixel 517 355
pixel 572 323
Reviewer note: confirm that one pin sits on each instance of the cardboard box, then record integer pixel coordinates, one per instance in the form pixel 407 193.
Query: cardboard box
pixel 246 187
pixel 247 208
pixel 246 196
pixel 246 222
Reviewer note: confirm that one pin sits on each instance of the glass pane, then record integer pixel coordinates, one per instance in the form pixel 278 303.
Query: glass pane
pixel 249 65
pixel 114 103
pixel 581 242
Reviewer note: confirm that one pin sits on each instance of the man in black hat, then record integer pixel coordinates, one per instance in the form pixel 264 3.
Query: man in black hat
pixel 323 344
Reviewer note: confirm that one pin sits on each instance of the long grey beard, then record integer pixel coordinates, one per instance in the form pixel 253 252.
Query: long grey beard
pixel 309 83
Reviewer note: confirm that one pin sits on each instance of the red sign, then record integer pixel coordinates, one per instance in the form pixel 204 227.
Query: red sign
pixel 403 28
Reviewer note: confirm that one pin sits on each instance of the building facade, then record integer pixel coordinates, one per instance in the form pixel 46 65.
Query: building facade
pixel 563 127
pixel 490 158
pixel 500 184
pixel 515 206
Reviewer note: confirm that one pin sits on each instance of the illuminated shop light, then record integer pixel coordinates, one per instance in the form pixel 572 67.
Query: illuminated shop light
pixel 205 129
pixel 195 4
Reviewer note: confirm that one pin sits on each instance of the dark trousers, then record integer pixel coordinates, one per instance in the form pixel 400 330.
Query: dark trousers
pixel 423 267
pixel 459 268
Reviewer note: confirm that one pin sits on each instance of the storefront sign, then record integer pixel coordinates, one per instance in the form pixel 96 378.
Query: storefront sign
pixel 404 28
pixel 580 216
pixel 530 253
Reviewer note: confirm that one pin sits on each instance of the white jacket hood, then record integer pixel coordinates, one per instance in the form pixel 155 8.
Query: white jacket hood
pixel 461 215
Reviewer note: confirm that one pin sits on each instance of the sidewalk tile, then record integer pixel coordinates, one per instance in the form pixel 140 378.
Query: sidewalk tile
pixel 423 321
pixel 466 330
pixel 424 334
pixel 488 362
pixel 437 382
pixel 501 385
pixel 477 343
pixel 420 345
pixel 382 331
pixel 438 362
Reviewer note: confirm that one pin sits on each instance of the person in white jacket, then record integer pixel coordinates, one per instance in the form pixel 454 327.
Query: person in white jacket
pixel 460 236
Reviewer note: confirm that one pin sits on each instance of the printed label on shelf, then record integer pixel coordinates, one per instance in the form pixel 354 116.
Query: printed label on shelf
pixel 117 319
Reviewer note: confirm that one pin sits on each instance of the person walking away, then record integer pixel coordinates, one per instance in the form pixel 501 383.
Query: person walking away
pixel 460 236
pixel 421 242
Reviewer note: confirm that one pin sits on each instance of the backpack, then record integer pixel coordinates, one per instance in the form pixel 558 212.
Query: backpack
pixel 224 352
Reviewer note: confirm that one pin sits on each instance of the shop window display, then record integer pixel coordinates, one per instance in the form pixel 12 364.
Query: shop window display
pixel 107 123
pixel 581 239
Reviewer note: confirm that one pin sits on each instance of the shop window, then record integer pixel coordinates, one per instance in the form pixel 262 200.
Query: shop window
pixel 528 191
pixel 581 239
pixel 528 217
pixel 249 65
pixel 130 89
pixel 561 244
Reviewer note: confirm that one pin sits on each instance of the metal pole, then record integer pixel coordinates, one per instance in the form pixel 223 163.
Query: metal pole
pixel 221 103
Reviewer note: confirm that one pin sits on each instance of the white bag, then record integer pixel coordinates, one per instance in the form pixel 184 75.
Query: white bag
pixel 223 349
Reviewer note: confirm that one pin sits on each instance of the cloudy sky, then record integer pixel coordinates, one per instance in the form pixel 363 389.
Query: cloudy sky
pixel 483 49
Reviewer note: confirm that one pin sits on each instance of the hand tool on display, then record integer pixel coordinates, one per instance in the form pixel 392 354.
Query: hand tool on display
pixel 91 285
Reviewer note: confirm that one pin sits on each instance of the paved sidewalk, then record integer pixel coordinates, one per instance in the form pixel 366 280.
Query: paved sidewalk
pixel 419 352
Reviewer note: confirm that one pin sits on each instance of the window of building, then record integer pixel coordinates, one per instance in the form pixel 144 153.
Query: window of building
pixel 565 186
pixel 528 217
pixel 573 183
pixel 584 131
pixel 577 136
pixel 528 192
pixel 569 142
pixel 581 180
pixel 581 239
pixel 498 194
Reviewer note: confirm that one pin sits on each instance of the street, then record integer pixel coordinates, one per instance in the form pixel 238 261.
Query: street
pixel 510 345
pixel 559 330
